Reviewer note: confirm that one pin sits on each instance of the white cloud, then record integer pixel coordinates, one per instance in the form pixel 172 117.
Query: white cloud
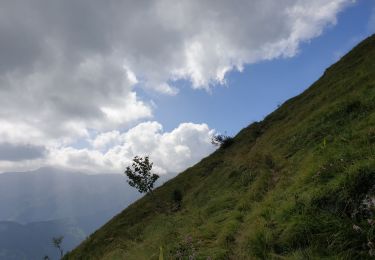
pixel 105 140
pixel 113 151
pixel 65 102
pixel 165 39
pixel 71 68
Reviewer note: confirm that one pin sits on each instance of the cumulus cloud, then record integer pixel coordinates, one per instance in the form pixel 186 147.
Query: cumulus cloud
pixel 170 151
pixel 70 68
pixel 160 40
pixel 96 94
pixel 112 151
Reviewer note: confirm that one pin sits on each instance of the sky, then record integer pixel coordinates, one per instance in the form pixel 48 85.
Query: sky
pixel 88 85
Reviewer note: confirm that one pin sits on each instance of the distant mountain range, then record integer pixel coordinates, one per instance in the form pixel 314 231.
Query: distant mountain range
pixel 36 206
pixel 34 240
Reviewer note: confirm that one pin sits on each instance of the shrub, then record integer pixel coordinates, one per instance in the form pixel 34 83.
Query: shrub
pixel 186 249
pixel 223 141
pixel 177 199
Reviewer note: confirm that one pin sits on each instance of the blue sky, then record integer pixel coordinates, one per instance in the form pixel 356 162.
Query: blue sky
pixel 252 94
pixel 88 85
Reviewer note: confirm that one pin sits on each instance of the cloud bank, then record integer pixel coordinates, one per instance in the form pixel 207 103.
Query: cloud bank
pixel 71 68
pixel 112 151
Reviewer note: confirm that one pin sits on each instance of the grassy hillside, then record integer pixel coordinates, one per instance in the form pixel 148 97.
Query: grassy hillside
pixel 298 185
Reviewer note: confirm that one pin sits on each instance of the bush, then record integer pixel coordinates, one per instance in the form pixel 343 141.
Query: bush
pixel 223 141
pixel 177 199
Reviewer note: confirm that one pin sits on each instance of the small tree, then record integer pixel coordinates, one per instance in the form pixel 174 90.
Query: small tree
pixel 222 140
pixel 140 175
pixel 57 241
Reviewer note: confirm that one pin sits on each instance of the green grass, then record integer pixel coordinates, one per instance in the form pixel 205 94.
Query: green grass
pixel 293 186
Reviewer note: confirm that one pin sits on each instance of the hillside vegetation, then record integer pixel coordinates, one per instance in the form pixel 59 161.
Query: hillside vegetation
pixel 298 185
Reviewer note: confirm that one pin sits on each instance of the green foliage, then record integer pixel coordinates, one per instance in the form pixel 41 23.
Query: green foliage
pixel 177 199
pixel 298 185
pixel 140 175
pixel 224 141
pixel 186 249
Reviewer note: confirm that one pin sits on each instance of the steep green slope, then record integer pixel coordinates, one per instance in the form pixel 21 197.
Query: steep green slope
pixel 298 185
